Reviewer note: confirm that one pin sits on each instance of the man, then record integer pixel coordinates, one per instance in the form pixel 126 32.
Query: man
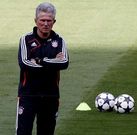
pixel 42 54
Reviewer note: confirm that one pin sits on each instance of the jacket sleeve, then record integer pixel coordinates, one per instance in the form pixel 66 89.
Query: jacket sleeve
pixel 23 53
pixel 55 63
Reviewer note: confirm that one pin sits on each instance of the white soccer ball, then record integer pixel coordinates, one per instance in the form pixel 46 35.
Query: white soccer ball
pixel 105 101
pixel 124 104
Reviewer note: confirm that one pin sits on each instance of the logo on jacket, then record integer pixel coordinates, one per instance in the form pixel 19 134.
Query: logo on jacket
pixel 49 40
pixel 33 44
pixel 54 44
pixel 20 111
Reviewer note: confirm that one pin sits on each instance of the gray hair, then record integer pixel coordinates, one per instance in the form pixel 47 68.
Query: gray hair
pixel 46 7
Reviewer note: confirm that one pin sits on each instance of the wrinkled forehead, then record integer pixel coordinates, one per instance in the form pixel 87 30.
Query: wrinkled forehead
pixel 45 15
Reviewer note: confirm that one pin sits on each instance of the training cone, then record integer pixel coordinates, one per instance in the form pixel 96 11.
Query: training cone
pixel 83 107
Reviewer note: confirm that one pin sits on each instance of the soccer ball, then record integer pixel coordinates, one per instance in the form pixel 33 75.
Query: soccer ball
pixel 124 104
pixel 105 101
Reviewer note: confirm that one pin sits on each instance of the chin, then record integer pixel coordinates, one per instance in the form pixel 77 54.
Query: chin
pixel 46 31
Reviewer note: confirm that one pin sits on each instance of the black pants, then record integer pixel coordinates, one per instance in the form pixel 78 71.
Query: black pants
pixel 44 109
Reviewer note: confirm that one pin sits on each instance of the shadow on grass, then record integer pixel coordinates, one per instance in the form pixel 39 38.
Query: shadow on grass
pixel 91 70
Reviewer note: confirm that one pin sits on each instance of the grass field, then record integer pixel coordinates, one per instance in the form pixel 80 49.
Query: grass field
pixel 102 43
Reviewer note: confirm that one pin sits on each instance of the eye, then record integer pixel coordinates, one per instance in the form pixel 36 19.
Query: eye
pixel 42 20
pixel 49 21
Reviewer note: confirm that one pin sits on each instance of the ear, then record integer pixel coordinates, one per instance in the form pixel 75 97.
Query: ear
pixel 54 20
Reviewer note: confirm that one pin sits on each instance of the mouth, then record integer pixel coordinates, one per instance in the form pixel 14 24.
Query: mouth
pixel 45 29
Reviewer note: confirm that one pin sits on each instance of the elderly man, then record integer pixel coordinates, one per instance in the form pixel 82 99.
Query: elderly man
pixel 42 54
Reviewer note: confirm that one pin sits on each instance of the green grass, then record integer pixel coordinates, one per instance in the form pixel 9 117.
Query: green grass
pixel 117 79
pixel 101 38
pixel 8 90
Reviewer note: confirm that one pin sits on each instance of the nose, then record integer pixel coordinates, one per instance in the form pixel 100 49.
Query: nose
pixel 46 23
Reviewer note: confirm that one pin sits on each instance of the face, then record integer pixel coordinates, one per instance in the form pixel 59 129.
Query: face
pixel 44 22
